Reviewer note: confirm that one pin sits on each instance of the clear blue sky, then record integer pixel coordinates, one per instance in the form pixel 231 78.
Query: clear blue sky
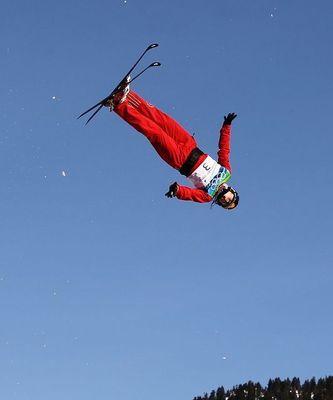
pixel 112 293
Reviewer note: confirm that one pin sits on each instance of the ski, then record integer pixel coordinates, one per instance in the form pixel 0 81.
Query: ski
pixel 121 84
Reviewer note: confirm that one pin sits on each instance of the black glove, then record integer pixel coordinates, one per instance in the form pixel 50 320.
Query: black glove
pixel 172 190
pixel 229 118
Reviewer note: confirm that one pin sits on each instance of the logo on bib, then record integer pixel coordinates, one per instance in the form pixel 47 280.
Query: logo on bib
pixel 221 177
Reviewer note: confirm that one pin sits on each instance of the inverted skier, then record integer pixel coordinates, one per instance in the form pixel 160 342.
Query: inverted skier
pixel 179 149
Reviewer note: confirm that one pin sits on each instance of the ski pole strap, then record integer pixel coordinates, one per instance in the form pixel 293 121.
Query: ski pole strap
pixel 190 162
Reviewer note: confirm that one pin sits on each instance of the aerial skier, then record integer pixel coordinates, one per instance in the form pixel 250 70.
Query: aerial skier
pixel 179 149
pixel 174 144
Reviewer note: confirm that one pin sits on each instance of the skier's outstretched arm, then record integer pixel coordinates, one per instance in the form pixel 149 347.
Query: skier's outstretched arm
pixel 187 193
pixel 224 142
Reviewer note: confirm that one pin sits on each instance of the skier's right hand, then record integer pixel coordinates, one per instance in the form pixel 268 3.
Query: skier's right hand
pixel 172 190
pixel 229 118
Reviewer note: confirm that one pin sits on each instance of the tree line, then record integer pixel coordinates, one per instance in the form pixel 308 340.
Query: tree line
pixel 276 389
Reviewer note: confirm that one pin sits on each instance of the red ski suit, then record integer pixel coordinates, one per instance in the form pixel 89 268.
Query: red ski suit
pixel 171 141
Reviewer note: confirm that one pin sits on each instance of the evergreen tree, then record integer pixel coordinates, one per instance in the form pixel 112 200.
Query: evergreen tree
pixel 329 387
pixel 220 393
pixel 251 395
pixel 296 384
pixel 306 390
pixel 212 395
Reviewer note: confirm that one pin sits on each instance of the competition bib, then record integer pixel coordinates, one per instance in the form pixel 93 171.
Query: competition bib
pixel 209 176
pixel 204 173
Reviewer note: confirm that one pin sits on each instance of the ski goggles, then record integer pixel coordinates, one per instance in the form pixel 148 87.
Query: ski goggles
pixel 227 205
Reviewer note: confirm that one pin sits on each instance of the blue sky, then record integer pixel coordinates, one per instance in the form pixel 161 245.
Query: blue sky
pixel 109 289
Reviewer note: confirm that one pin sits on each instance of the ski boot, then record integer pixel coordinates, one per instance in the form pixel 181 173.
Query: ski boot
pixel 120 96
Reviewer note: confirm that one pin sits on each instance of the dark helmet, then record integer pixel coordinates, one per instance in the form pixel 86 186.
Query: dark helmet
pixel 218 197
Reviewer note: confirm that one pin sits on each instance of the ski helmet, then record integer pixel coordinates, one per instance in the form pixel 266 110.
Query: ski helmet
pixel 218 198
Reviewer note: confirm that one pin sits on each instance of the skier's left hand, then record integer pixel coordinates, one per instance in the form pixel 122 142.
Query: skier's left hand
pixel 172 190
pixel 229 118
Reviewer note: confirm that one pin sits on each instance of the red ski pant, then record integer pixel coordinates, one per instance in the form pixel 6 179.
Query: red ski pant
pixel 171 141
